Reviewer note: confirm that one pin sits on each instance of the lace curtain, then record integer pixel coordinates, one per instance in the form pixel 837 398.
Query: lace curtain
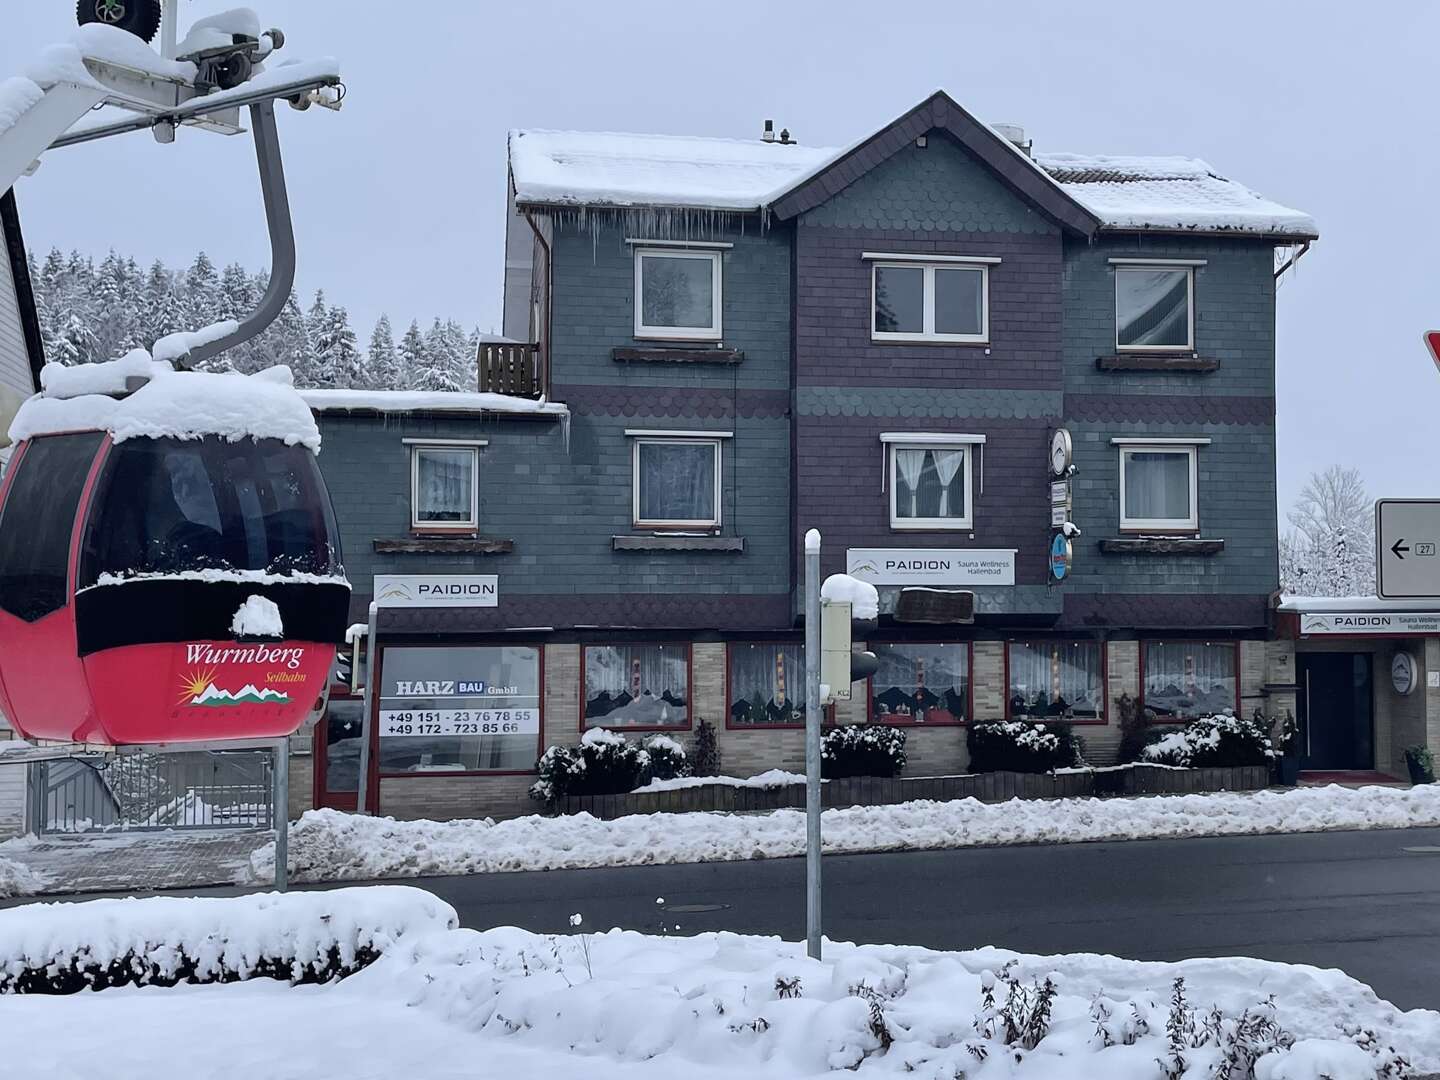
pixel 643 685
pixel 1186 679
pixel 443 485
pixel 1056 679
pixel 1157 485
pixel 677 481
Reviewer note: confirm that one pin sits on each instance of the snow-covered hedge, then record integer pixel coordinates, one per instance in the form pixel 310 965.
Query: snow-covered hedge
pixel 1222 741
pixel 1022 746
pixel 862 750
pixel 607 763
pixel 301 937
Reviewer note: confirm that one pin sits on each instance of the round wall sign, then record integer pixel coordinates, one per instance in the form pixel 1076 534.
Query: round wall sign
pixel 1061 552
pixel 1403 673
pixel 1060 452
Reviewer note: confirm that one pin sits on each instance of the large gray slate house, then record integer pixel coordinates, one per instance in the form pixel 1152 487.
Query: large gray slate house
pixel 945 348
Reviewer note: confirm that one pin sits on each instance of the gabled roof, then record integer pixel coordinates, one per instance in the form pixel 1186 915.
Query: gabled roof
pixel 938 112
pixel 1082 194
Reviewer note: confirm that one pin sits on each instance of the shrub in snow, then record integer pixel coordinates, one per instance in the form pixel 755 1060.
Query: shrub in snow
pixel 306 937
pixel 1022 746
pixel 16 879
pixel 607 763
pixel 1222 741
pixel 707 750
pixel 862 750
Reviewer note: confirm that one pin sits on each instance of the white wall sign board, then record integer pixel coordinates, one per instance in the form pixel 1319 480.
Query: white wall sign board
pixel 1407 539
pixel 1393 623
pixel 436 590
pixel 932 566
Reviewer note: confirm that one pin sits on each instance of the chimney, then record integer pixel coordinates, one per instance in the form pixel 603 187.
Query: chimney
pixel 768 135
pixel 785 139
pixel 1015 135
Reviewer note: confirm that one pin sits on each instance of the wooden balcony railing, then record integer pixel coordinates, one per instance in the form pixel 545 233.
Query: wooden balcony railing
pixel 513 368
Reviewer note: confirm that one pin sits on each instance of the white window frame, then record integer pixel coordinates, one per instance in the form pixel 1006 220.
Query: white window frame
pixel 1189 270
pixel 681 333
pixel 1190 523
pixel 417 446
pixel 928 301
pixel 931 524
pixel 713 441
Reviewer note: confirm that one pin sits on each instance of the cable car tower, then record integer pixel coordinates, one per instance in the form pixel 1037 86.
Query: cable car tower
pixel 171 540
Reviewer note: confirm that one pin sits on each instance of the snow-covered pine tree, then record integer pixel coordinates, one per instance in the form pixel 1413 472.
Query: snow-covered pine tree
pixel 412 357
pixel 338 360
pixel 383 361
pixel 161 309
pixel 1331 550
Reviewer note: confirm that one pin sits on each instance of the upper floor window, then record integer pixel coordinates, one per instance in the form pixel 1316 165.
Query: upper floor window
pixel 1158 483
pixel 938 300
pixel 1155 307
pixel 676 480
pixel 929 476
pixel 677 294
pixel 443 488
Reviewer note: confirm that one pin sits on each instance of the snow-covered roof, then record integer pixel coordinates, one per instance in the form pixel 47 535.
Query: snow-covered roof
pixel 397 401
pixel 1169 193
pixel 1347 604
pixel 572 168
pixel 612 169
pixel 173 404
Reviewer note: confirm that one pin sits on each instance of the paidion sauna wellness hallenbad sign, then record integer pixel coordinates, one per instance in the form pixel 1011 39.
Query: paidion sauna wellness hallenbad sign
pixel 932 566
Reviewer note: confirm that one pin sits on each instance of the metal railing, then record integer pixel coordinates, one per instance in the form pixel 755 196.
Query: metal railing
pixel 513 368
pixel 194 789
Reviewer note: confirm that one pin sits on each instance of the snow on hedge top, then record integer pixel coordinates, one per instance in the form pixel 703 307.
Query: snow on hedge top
pixel 175 404
pixel 1169 193
pixel 607 168
pixel 223 935
pixel 395 401
pixel 612 169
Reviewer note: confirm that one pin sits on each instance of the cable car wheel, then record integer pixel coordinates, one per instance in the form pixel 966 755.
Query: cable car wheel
pixel 138 17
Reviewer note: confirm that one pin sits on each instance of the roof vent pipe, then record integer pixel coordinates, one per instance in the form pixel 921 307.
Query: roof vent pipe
pixel 785 139
pixel 768 135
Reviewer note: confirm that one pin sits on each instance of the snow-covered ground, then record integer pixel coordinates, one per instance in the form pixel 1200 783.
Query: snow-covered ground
pixel 770 778
pixel 619 1005
pixel 17 879
pixel 327 845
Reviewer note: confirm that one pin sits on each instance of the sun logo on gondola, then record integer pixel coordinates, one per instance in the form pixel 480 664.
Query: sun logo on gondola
pixel 195 684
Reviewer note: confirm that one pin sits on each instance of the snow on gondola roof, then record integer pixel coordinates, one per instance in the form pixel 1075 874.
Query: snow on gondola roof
pixel 170 403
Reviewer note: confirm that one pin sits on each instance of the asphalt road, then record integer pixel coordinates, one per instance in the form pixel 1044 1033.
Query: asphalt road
pixel 1365 902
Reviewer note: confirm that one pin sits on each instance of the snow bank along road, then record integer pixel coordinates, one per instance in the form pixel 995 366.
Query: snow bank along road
pixel 327 845
pixel 443 1004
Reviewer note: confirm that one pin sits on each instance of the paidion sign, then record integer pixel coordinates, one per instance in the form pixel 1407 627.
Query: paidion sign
pixel 1350 624
pixel 932 566
pixel 436 590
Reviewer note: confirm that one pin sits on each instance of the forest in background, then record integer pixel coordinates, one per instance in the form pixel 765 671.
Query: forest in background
pixel 91 311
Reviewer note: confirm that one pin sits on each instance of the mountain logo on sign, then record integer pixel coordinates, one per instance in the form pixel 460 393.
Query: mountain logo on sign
pixel 198 688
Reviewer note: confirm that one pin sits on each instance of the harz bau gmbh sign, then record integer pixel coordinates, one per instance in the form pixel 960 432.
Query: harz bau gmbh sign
pixel 1389 622
pixel 436 590
pixel 932 566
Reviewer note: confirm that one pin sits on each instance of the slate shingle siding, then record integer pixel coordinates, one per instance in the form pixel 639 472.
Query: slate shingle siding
pixel 1234 407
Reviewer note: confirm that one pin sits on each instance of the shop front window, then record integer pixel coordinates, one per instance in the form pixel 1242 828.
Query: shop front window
pixel 921 683
pixel 1188 679
pixel 644 686
pixel 767 685
pixel 1057 680
pixel 459 708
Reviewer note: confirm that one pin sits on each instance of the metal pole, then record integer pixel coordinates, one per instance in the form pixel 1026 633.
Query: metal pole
pixel 812 743
pixel 281 813
pixel 362 789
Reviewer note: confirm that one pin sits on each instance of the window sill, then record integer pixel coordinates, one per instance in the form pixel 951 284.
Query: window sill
pixel 678 543
pixel 660 354
pixel 1161 545
pixel 1182 362
pixel 441 545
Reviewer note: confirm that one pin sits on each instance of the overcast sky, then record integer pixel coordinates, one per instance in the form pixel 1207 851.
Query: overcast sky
pixel 399 199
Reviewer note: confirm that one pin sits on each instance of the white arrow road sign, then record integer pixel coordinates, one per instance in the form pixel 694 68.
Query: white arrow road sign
pixel 1407 537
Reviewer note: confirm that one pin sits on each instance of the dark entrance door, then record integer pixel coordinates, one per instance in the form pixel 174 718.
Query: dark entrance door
pixel 337 755
pixel 1336 711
